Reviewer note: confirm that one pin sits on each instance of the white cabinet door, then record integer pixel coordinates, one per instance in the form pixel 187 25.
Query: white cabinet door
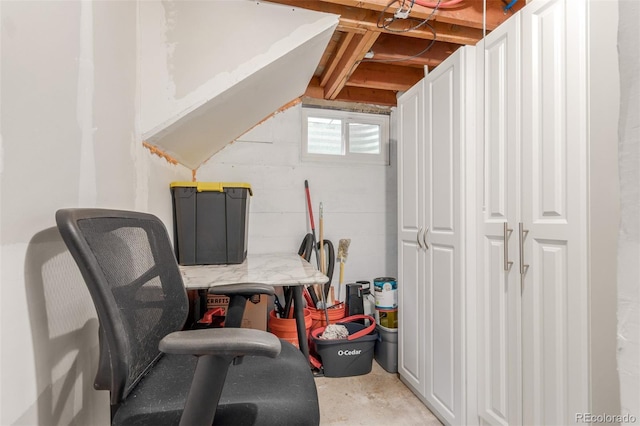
pixel 554 296
pixel 533 319
pixel 443 237
pixel 431 270
pixel 498 295
pixel 411 286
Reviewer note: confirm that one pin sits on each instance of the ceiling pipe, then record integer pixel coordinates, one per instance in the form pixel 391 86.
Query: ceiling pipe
pixel 442 5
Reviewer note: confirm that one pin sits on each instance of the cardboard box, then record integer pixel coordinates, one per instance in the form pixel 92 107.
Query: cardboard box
pixel 255 313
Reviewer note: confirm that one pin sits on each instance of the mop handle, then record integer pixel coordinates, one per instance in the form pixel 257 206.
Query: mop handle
pixel 313 225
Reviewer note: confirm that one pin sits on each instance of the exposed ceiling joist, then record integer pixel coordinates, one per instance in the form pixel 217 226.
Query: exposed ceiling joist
pixel 354 52
pixel 468 14
pixel 386 77
pixel 394 49
pixel 358 19
pixel 397 51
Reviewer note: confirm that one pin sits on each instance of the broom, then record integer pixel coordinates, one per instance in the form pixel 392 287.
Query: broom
pixel 338 331
pixel 331 331
pixel 343 251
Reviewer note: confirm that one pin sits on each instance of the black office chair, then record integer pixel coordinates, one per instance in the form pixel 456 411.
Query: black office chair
pixel 156 373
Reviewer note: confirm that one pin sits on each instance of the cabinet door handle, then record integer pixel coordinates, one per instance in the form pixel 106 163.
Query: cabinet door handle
pixel 424 238
pixel 523 235
pixel 506 234
pixel 418 238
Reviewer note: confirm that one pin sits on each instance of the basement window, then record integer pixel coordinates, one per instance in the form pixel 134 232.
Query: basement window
pixel 342 136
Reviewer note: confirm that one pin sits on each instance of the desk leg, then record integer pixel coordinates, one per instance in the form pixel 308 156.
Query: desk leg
pixel 298 311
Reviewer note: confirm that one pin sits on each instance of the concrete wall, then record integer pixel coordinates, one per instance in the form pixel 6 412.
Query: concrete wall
pixel 359 200
pixel 69 137
pixel 629 237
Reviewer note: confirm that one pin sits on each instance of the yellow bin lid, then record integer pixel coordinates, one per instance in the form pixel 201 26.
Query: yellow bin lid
pixel 212 186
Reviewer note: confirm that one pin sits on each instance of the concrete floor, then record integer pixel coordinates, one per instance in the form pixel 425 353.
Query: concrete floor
pixel 377 398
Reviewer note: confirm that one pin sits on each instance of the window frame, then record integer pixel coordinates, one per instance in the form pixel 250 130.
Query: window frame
pixel 346 117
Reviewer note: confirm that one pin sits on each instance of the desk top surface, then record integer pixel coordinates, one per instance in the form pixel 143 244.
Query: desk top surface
pixel 280 269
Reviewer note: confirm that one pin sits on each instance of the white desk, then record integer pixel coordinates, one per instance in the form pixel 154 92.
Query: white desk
pixel 280 269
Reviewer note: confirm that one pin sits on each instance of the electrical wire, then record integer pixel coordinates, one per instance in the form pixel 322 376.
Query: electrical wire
pixel 385 23
pixel 424 22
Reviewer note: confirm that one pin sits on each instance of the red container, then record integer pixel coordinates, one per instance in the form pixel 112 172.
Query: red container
pixel 285 328
pixel 335 314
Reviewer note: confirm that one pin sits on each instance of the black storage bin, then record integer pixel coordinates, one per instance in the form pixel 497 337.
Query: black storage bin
pixel 210 222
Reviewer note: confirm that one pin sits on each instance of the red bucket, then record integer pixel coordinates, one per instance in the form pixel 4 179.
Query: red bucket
pixel 286 329
pixel 336 313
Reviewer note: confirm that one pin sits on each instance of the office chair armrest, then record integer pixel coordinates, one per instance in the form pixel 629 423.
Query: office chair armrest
pixel 224 342
pixel 238 295
pixel 215 348
pixel 242 289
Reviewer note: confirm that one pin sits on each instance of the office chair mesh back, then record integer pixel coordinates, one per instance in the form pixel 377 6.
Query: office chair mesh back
pixel 140 293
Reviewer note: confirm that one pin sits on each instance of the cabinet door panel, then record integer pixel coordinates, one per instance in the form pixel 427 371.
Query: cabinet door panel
pixel 410 142
pixel 441 323
pixel 411 340
pixel 443 264
pixel 499 384
pixel 441 145
pixel 547 99
pixel 411 349
pixel 494 336
pixel 548 333
pixel 555 352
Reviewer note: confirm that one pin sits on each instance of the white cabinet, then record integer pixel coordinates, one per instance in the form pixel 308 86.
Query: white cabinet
pixel 498 284
pixel 538 348
pixel 555 380
pixel 433 125
pixel 507 233
pixel 411 291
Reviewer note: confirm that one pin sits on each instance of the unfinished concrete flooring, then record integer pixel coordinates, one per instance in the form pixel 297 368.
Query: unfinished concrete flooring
pixel 377 398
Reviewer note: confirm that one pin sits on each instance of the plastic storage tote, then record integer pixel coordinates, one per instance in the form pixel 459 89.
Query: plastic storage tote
pixel 386 349
pixel 210 221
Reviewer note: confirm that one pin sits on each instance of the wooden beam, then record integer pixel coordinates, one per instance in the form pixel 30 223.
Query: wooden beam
pixel 351 29
pixel 314 90
pixel 328 53
pixel 346 106
pixel 353 94
pixel 355 51
pixel 343 45
pixel 356 19
pixel 396 50
pixel 367 96
pixel 385 77
pixel 443 32
pixel 468 13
